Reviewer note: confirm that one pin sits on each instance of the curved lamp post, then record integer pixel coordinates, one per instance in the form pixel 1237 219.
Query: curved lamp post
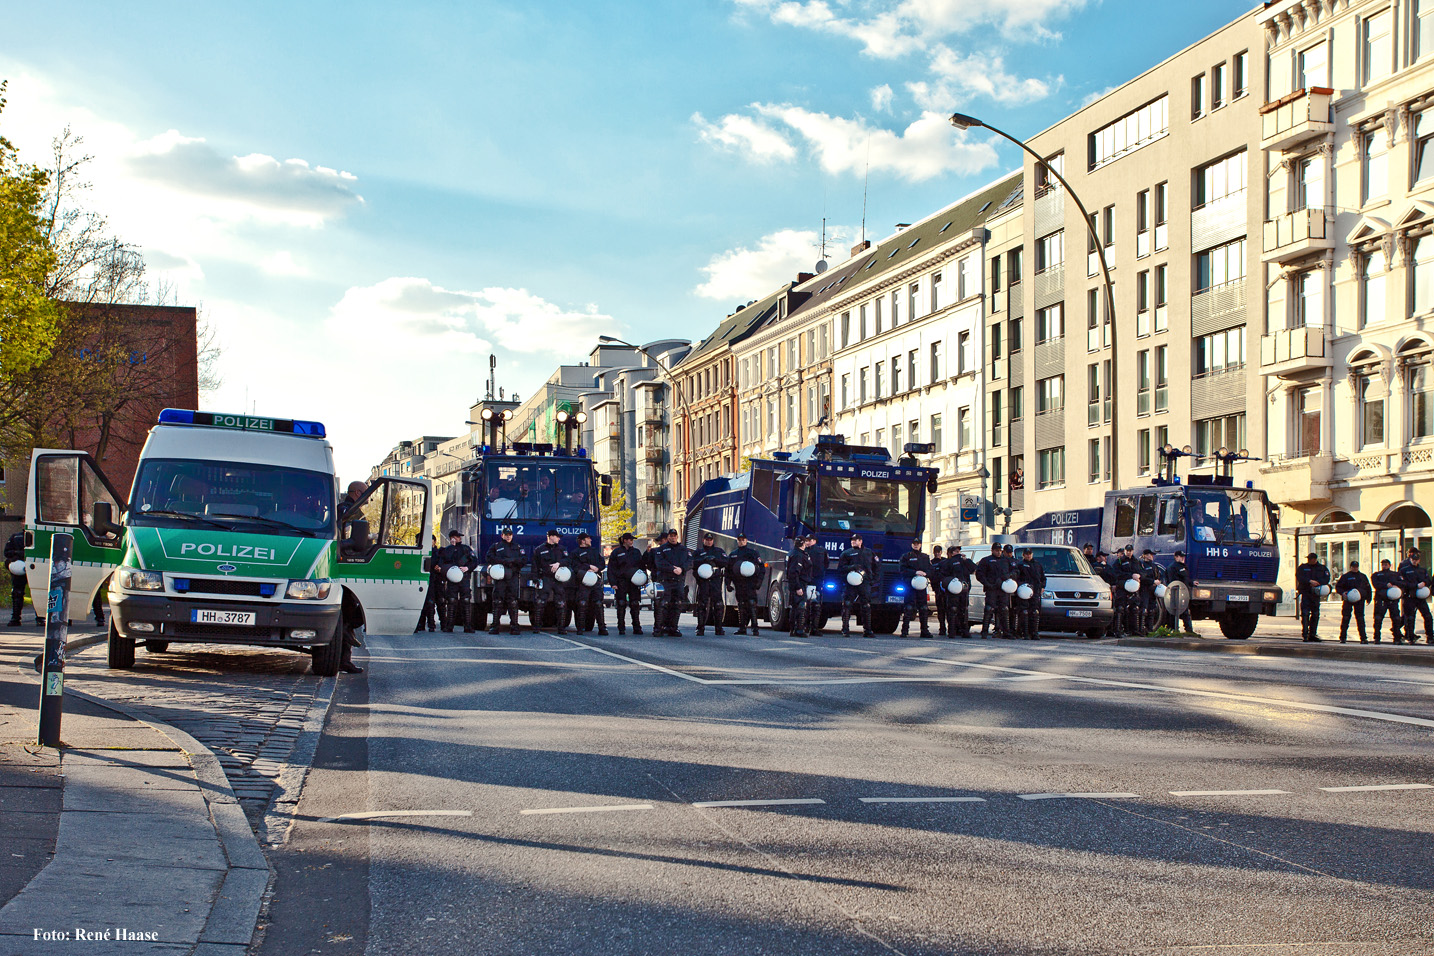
pixel 962 121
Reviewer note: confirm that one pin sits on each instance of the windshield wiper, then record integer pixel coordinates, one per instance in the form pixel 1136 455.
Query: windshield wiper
pixel 187 515
pixel 272 522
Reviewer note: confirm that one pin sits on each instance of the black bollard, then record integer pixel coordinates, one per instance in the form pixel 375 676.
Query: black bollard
pixel 52 674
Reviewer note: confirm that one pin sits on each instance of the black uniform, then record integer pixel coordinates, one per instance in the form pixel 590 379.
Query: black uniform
pixel 453 604
pixel 622 563
pixel 427 618
pixel 1181 572
pixel 1353 581
pixel 1126 603
pixel 864 561
pixel 746 589
pixel 512 557
pixel 820 559
pixel 1416 576
pixel 1383 581
pixel 1028 614
pixel 799 578
pixel 670 596
pixel 710 605
pixel 587 600
pixel 958 606
pixel 912 563
pixel 1151 574
pixel 939 593
pixel 551 592
pixel 15 551
pixel 1309 578
pixel 991 571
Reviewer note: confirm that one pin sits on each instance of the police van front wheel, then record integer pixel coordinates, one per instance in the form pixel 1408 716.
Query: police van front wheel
pixel 326 657
pixel 777 609
pixel 121 649
pixel 1238 626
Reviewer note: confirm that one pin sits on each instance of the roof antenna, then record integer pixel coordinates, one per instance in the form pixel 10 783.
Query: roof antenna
pixel 866 181
pixel 821 265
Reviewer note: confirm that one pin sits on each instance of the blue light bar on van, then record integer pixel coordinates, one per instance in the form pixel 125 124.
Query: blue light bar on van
pixel 251 423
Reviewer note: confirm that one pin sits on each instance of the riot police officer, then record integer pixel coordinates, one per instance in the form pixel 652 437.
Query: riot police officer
pixel 1353 580
pixel 1309 578
pixel 15 551
pixel 862 561
pixel 510 556
pixel 819 557
pixel 670 564
pixel 915 563
pixel 587 599
pixel 552 593
pixel 1126 603
pixel 799 578
pixel 1151 574
pixel 453 605
pixel 1384 579
pixel 938 561
pixel 746 588
pixel 1180 571
pixel 710 604
pixel 1032 575
pixel 991 571
pixel 625 561
pixel 427 616
pixel 1416 576
pixel 957 567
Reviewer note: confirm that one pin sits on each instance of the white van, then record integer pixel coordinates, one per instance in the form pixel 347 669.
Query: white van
pixel 1076 599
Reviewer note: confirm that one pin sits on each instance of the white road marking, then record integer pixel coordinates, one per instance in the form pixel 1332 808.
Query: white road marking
pixel 1071 796
pixel 609 809
pixel 922 799
pixel 378 814
pixel 1225 793
pixel 1380 786
pixel 757 803
pixel 1391 680
pixel 632 660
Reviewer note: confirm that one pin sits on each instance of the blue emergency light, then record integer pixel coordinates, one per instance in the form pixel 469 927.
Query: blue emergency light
pixel 252 423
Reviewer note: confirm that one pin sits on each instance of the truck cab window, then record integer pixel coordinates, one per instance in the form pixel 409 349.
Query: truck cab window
pixel 1145 522
pixel 1124 517
pixel 1172 517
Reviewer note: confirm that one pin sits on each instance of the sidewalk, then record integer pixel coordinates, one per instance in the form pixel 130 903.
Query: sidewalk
pixel 1280 637
pixel 131 828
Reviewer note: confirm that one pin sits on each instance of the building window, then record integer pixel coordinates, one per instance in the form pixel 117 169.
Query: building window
pixel 1142 304
pixel 1220 265
pixel 1045 181
pixel 1371 412
pixel 996 350
pixel 861 386
pixel 1222 178
pixel 845 329
pixel 1127 134
pixel 1197 96
pixel 1242 73
pixel 876 315
pixel 1018 403
pixel 1016 338
pixel 1092 389
pixel 911 379
pixel 937 292
pixel 1220 352
pixel 823 341
pixel 881 438
pixel 1050 323
pixel 1423 279
pixel 936 367
pixel 1050 394
pixel 896 439
pixel 963 428
pixel 1308 300
pixel 1053 467
pixel 996 415
pixel 1217 86
pixel 1162 215
pixel 792 365
pixel 861 322
pixel 846 390
pixel 1162 378
pixel 1142 452
pixel 911 301
pixel 772 362
pixel 963 350
pixel 771 418
pixel 964 286
pixel 1142 223
pixel 880 379
pixel 1142 382
pixel 1421 401
pixel 1423 28
pixel 1161 319
pixel 1093 457
pixel 1309 183
pixel 1162 436
pixel 1309 402
pixel 1097 330
pixel 811 350
pixel 1015 263
pixel 1313 67
pixel 1377 33
pixel 1374 165
pixel 1211 434
pixel 1050 251
pixel 896 375
pixel 1109 235
pixel 1371 289
pixel 936 433
pixel 913 430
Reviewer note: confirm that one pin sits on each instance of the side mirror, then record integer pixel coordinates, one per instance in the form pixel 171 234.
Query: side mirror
pixel 104 520
pixel 427 565
pixel 1275 516
pixel 605 490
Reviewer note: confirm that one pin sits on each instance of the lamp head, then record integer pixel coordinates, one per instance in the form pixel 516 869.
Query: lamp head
pixel 962 121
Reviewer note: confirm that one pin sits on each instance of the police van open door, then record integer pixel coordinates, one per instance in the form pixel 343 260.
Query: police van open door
pixel 68 493
pixel 383 541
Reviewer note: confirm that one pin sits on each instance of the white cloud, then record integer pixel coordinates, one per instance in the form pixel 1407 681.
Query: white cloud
pixel 1091 97
pixel 881 98
pixel 745 273
pixel 742 134
pixel 927 148
pixel 958 77
pixel 282 263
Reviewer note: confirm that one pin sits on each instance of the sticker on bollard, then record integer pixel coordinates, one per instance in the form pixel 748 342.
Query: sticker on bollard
pixel 52 673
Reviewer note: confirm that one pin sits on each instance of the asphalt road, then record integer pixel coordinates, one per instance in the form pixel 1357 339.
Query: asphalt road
pixel 535 795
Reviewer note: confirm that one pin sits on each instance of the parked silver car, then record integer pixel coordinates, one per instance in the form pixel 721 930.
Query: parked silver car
pixel 1076 599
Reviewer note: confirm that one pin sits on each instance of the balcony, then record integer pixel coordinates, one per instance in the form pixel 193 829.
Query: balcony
pixel 1298 480
pixel 656 493
pixel 1288 352
pixel 1219 221
pixel 651 415
pixel 1297 234
pixel 654 453
pixel 1293 119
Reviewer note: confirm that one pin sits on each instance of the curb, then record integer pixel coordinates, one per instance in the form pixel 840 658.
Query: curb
pixel 235 912
pixel 1398 654
pixel 279 818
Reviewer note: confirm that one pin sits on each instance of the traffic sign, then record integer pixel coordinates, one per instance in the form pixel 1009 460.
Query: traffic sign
pixel 970 508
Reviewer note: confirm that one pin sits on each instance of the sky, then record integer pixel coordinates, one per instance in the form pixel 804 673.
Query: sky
pixel 366 200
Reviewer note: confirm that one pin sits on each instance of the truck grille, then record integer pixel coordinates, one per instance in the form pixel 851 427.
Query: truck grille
pixel 223 586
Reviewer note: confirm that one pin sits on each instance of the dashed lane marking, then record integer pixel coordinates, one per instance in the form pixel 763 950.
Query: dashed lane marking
pixel 1074 796
pixel 1225 793
pixel 922 799
pixel 608 809
pixel 380 814
pixel 1392 680
pixel 1380 786
pixel 758 803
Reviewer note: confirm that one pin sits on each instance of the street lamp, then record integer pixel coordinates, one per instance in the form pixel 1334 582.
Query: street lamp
pixel 962 121
pixel 686 409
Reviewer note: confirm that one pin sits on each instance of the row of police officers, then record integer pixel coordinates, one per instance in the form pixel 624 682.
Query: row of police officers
pixel 1402 595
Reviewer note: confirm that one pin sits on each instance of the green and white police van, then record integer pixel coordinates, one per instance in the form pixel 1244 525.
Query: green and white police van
pixel 230 536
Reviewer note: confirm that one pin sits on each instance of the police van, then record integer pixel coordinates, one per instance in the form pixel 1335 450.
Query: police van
pixel 230 536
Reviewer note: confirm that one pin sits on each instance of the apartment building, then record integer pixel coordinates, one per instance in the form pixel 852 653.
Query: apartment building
pixel 783 367
pixel 907 366
pixel 1348 272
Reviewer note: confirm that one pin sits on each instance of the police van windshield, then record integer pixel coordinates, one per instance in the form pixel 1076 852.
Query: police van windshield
pixel 542 489
pixel 1062 561
pixel 1228 516
pixel 866 504
pixel 266 498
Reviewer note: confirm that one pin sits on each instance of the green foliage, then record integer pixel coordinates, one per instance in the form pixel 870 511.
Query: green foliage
pixel 1164 630
pixel 616 518
pixel 29 319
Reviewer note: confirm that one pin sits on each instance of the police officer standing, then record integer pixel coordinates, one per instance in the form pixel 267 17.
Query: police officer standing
pixel 820 558
pixel 863 562
pixel 746 587
pixel 670 562
pixel 991 571
pixel 625 561
pixel 957 567
pixel 799 577
pixel 710 604
pixel 1180 571
pixel 454 603
pixel 1125 602
pixel 587 599
pixel 509 555
pixel 15 551
pixel 1353 580
pixel 552 593
pixel 1384 579
pixel 915 563
pixel 1416 576
pixel 1309 578
pixel 435 587
pixel 1031 574
pixel 1151 574
pixel 938 561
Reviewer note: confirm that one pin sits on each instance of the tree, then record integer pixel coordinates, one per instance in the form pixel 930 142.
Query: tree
pixel 615 518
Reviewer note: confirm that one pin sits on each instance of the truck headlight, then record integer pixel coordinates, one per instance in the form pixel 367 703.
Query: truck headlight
pixel 1203 594
pixel 1272 595
pixel 134 579
pixel 1048 595
pixel 307 590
